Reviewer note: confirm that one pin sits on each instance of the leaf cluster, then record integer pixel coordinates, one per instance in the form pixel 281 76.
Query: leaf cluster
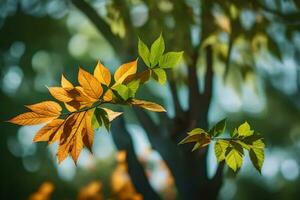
pixel 84 104
pixel 230 149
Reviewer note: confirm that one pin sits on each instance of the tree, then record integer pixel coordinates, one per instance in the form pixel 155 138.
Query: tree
pixel 165 136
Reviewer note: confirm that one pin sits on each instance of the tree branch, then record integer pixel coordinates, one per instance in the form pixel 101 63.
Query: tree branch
pixel 123 141
pixel 100 24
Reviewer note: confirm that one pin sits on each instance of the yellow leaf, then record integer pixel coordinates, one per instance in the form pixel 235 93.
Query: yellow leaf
pixel 49 108
pixel 90 84
pixel 124 71
pixel 31 118
pixel 60 94
pixel 65 83
pixel 50 132
pixel 112 114
pixel 147 105
pixel 102 74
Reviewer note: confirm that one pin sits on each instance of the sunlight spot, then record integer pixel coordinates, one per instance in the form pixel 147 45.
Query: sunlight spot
pixel 289 169
pixel 12 80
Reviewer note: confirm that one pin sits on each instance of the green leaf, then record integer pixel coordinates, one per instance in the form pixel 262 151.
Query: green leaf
pixel 170 59
pixel 157 50
pixel 95 122
pixel 133 87
pixel 244 130
pixel 196 131
pixel 220 149
pixel 159 75
pixel 101 117
pixel 234 156
pixel 218 128
pixel 257 154
pixel 144 52
pixel 123 91
pixel 202 138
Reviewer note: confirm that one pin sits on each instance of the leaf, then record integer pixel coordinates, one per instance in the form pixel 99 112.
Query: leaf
pixel 202 138
pixel 218 128
pixel 123 91
pixel 234 156
pixel 147 105
pixel 159 75
pixel 144 52
pixel 60 94
pixel 108 96
pixel 196 131
pixel 257 154
pixel 102 118
pixel 65 83
pixel 88 131
pixel 31 118
pixel 124 71
pixel 170 59
pixel 49 108
pixel 71 138
pixel 220 149
pixel 157 50
pixel 244 130
pixel 133 87
pixel 91 86
pixel 112 114
pixel 102 74
pixel 50 132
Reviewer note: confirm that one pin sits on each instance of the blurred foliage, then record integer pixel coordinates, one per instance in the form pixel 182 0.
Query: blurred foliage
pixel 255 47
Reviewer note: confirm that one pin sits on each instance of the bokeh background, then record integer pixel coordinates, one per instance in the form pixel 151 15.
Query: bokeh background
pixel 41 39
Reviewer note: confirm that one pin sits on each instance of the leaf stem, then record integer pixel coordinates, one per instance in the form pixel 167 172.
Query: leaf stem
pixel 96 104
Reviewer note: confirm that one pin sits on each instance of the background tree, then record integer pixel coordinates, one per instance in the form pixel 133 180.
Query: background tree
pixel 223 41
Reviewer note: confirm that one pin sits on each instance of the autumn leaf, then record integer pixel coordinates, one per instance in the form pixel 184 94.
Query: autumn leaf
pixel 90 84
pixel 31 118
pixel 88 131
pixel 65 83
pixel 124 71
pixel 49 108
pixel 71 138
pixel 60 94
pixel 147 105
pixel 102 74
pixel 50 132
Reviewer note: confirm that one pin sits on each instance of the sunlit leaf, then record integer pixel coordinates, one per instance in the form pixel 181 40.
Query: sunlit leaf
pixel 91 86
pixel 234 156
pixel 144 52
pixel 124 71
pixel 170 59
pixel 220 149
pixel 147 105
pixel 102 74
pixel 157 50
pixel 159 75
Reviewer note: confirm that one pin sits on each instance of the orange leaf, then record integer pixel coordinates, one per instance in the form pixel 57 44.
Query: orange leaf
pixel 88 132
pixel 108 96
pixel 50 132
pixel 65 83
pixel 124 71
pixel 49 108
pixel 31 118
pixel 147 105
pixel 60 94
pixel 90 84
pixel 102 74
pixel 71 138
